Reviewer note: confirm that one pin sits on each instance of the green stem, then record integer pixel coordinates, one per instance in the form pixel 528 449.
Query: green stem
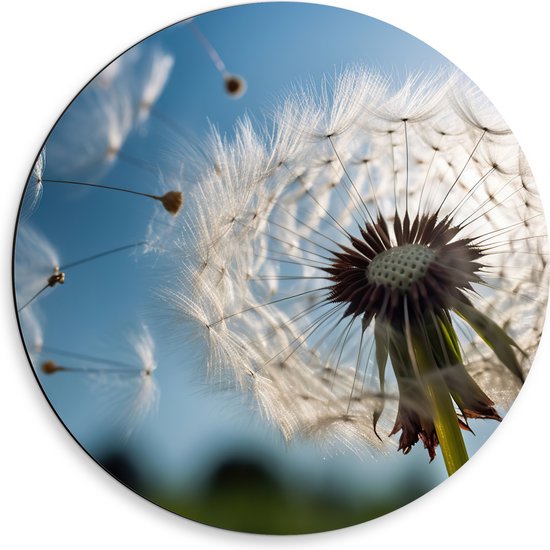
pixel 446 423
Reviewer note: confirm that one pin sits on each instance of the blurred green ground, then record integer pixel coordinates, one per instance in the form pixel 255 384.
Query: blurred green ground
pixel 241 494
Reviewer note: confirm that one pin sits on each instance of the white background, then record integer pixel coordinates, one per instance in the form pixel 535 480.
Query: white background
pixel 52 495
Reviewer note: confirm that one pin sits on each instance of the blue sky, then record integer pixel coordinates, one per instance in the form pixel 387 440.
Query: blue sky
pixel 273 46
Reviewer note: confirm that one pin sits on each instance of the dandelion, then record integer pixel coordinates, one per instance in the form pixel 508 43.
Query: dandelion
pixel 374 264
pixel 234 84
pixel 129 389
pixel 37 266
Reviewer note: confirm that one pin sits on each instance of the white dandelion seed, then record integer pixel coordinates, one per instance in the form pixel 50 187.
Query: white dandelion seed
pixel 373 264
pixel 160 67
pixel 93 131
pixel 36 266
pixel 33 191
pixel 125 63
pixel 31 320
pixel 89 137
pixel 128 391
pixel 38 269
pixel 160 229
pixel 171 200
pixel 234 84
pixel 91 134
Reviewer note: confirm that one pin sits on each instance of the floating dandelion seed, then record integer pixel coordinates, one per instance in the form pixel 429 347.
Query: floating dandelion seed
pixel 129 389
pixel 235 85
pixel 31 328
pixel 110 73
pixel 160 230
pixel 371 263
pixel 33 191
pixel 171 201
pixel 92 132
pixel 30 275
pixel 57 277
pixel 35 262
pixel 160 67
pixel 49 367
pixel 141 74
pixel 124 64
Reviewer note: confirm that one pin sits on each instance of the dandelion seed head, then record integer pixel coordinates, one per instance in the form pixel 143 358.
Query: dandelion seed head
pixel 389 218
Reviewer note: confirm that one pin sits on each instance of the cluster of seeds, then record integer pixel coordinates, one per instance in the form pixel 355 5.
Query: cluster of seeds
pixel 400 267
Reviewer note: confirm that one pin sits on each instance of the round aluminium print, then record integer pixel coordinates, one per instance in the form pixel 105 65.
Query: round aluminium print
pixel 277 276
